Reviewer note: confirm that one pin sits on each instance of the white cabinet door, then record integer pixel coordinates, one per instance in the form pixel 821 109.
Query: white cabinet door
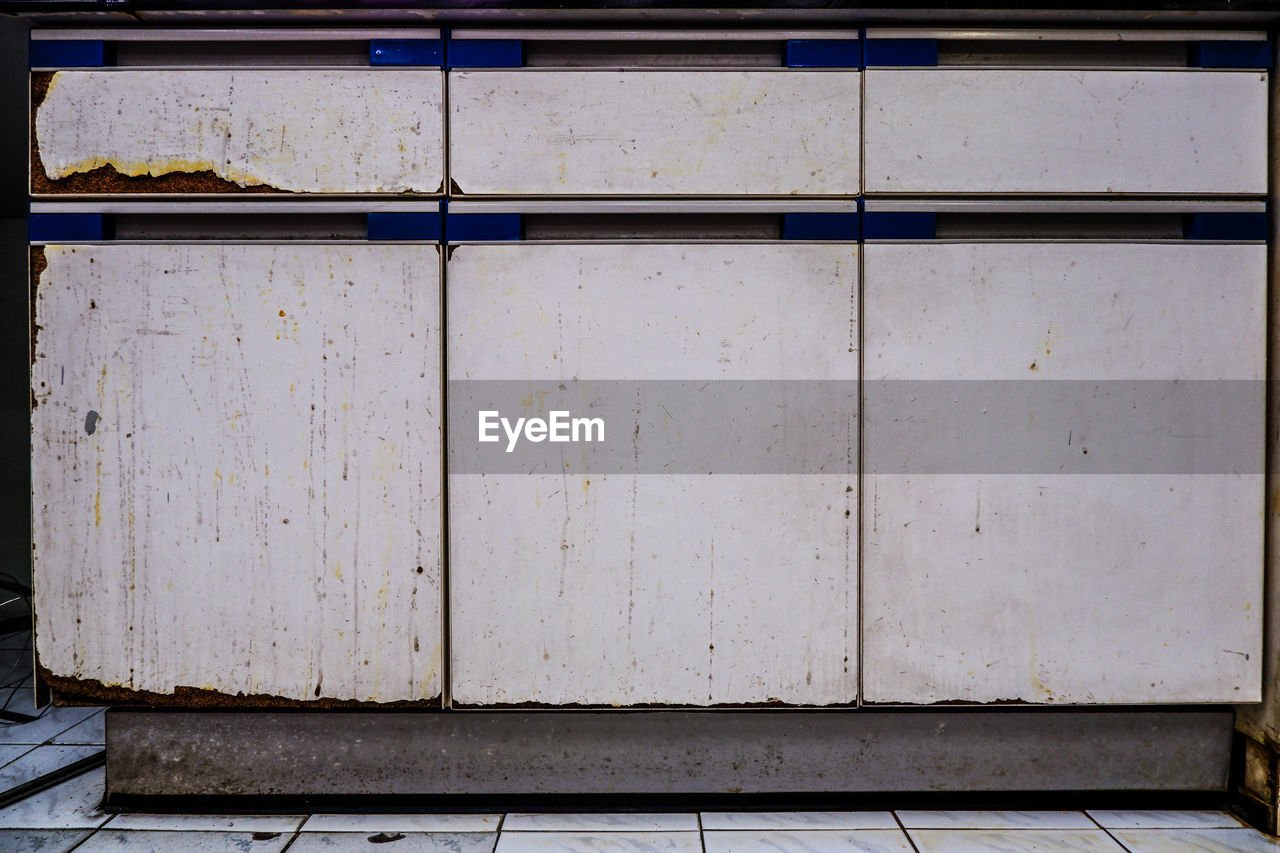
pixel 300 131
pixel 1054 131
pixel 671 586
pixel 782 132
pixel 991 573
pixel 237 468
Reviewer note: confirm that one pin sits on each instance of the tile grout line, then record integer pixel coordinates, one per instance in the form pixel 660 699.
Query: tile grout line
pixel 497 833
pixel 702 833
pixel 905 833
pixel 297 831
pixel 1096 823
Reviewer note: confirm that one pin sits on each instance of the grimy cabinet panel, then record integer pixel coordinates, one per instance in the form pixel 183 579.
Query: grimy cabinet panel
pixel 236 468
pixel 236 129
pixel 1065 131
pixel 1062 458
pixel 777 132
pixel 669 584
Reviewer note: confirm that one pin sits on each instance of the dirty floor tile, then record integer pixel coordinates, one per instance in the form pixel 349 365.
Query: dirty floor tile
pixel 208 822
pixel 184 842
pixel 40 840
pixel 1237 840
pixel 12 752
pixel 624 822
pixel 70 805
pixel 391 842
pixel 40 761
pixel 994 820
pixel 798 820
pixel 52 723
pixel 92 730
pixel 807 841
pixel 372 823
pixel 1164 819
pixel 599 842
pixel 1013 841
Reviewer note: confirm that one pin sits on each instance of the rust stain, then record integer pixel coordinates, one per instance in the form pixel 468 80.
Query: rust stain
pixel 88 691
pixel 38 264
pixel 106 179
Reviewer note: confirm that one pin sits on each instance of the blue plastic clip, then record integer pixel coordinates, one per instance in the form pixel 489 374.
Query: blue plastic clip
pixel 1231 54
pixel 486 53
pixel 1225 226
pixel 404 226
pixel 406 52
pixel 900 52
pixel 821 226
pixel 482 227
pixel 824 53
pixel 899 226
pixel 87 53
pixel 65 227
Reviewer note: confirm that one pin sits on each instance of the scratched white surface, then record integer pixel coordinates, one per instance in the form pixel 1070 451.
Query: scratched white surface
pixel 674 589
pixel 1081 588
pixel 1056 131
pixel 350 131
pixel 777 132
pixel 262 483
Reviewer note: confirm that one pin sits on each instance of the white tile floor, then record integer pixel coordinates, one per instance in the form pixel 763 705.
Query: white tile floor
pixel 67 818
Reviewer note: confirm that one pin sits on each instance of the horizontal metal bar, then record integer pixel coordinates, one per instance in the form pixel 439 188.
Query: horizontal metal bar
pixel 235 207
pixel 978 205
pixel 293 34
pixel 652 35
pixel 225 66
pixel 201 753
pixel 652 206
pixel 1064 34
pixel 306 242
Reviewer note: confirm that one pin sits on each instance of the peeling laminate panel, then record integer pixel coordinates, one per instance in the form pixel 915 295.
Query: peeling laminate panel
pixel 236 469
pixel 655 132
pixel 1057 131
pixel 680 588
pixel 304 131
pixel 1063 587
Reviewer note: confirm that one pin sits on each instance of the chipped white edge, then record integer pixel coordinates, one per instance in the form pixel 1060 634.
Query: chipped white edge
pixel 1064 34
pixel 728 206
pixel 1066 205
pixel 653 35
pixel 231 34
pixel 238 207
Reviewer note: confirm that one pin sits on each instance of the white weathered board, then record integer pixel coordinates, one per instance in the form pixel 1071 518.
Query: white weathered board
pixel 1063 588
pixel 677 588
pixel 683 132
pixel 1056 131
pixel 257 508
pixel 306 131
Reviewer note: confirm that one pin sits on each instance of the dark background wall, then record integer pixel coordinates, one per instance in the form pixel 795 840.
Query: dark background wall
pixel 15 441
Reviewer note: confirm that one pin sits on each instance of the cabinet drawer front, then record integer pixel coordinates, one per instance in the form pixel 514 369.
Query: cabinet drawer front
pixel 1026 557
pixel 655 132
pixel 239 130
pixel 1053 131
pixel 236 469
pixel 676 587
